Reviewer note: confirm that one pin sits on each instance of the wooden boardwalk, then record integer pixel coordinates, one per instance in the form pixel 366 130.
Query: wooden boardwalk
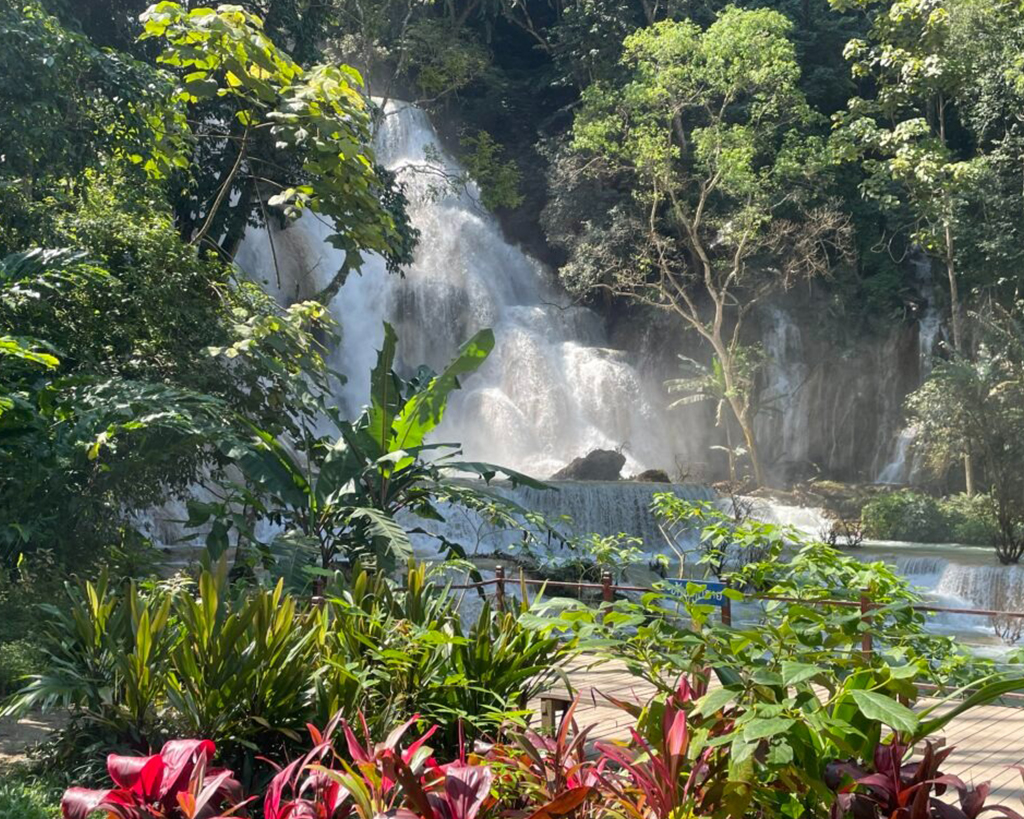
pixel 989 740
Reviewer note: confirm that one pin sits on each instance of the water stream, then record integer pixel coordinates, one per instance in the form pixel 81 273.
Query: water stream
pixel 552 389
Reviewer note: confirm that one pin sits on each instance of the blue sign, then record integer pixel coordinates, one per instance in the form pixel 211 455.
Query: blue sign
pixel 704 592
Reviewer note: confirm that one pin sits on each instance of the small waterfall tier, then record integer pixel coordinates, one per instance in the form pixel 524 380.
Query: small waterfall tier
pixel 962 585
pixel 552 390
pixel 575 508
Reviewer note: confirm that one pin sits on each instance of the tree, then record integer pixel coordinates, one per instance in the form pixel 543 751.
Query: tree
pixel 932 148
pixel 975 404
pixel 711 132
pixel 317 116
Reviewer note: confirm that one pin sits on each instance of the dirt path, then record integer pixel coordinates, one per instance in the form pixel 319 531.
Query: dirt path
pixel 17 736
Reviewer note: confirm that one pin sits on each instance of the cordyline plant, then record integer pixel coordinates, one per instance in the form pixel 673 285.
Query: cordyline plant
pixel 897 789
pixel 676 765
pixel 546 776
pixel 174 784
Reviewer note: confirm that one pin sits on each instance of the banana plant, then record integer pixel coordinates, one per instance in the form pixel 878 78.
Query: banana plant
pixel 335 496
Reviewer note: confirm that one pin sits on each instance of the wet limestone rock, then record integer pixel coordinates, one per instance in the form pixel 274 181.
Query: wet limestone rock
pixel 653 476
pixel 597 465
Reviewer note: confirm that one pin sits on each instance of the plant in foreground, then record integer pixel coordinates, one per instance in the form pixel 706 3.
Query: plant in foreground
pixel 174 784
pixel 908 790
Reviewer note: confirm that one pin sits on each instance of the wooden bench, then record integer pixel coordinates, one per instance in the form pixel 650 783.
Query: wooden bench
pixel 553 706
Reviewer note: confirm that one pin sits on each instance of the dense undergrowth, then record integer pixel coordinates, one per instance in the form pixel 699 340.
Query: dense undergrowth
pixel 914 516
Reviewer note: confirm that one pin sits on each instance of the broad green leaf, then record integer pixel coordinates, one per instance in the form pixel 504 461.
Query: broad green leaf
pixel 384 526
pixel 425 410
pixel 794 672
pixel 886 710
pixel 385 394
pixel 713 701
pixel 763 728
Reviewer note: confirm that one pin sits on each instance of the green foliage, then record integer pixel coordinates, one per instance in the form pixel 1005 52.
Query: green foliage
pixel 28 797
pixel 249 667
pixel 316 114
pixel 590 556
pixel 125 414
pixel 498 178
pixel 975 405
pixel 905 515
pixel 336 495
pixel 913 516
pixel 395 651
pixel 795 691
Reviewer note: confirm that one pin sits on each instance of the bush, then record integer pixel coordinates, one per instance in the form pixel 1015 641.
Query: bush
pixel 914 516
pixel 905 516
pixel 18 659
pixel 971 519
pixel 28 798
pixel 250 668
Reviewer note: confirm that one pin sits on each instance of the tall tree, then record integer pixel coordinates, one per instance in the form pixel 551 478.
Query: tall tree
pixel 975 404
pixel 712 133
pixel 932 147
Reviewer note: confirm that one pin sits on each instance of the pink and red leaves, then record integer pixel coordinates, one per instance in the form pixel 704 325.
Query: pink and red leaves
pixel 174 782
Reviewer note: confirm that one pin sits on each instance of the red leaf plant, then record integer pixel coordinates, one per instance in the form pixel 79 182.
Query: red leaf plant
pixel 666 782
pixel 381 779
pixel 896 789
pixel 545 777
pixel 174 784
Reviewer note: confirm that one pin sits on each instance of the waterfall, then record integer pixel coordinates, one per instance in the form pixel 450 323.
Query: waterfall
pixel 552 389
pixel 901 466
pixel 781 426
pixel 601 507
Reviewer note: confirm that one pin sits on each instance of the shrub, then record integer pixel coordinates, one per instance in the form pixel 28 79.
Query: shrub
pixel 914 516
pixel 27 798
pixel 905 516
pixel 18 659
pixel 250 668
pixel 971 519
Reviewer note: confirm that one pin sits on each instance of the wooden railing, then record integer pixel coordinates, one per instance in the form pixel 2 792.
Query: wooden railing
pixel 608 588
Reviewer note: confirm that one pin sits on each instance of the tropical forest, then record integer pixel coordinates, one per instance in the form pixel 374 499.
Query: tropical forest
pixel 511 409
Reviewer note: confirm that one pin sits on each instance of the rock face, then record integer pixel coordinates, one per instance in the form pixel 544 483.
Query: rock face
pixel 598 465
pixel 653 476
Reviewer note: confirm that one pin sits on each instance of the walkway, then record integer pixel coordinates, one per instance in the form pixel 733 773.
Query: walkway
pixel 989 740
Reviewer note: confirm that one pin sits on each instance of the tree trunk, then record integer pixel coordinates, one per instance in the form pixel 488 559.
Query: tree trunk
pixel 738 405
pixel 748 435
pixel 958 336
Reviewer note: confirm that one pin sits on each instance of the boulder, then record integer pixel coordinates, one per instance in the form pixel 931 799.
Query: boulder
pixel 598 465
pixel 653 476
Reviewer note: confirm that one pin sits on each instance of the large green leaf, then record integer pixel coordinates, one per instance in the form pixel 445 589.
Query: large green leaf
pixel 425 410
pixel 886 710
pixel 385 393
pixel 987 693
pixel 386 527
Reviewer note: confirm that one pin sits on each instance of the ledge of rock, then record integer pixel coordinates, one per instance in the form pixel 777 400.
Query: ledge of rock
pixel 598 465
pixel 653 476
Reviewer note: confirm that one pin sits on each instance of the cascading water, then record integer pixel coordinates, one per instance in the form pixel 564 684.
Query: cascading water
pixel 782 424
pixel 901 465
pixel 549 392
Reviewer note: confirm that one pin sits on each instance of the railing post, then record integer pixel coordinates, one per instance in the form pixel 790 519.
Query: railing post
pixel 865 616
pixel 499 589
pixel 726 611
pixel 606 587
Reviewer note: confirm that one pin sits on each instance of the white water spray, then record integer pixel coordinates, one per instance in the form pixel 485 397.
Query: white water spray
pixel 551 390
